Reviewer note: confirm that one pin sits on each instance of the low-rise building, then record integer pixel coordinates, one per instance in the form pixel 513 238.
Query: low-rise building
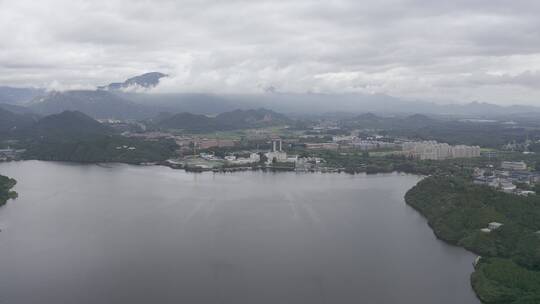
pixel 210 143
pixel 494 226
pixel 322 146
pixel 10 154
pixel 507 187
pixel 343 139
pixel 278 156
pixel 525 192
pixel 491 226
pixel 367 145
pixel 514 165
pixel 253 158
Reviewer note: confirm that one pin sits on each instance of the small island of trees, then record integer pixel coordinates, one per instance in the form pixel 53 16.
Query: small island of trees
pixel 6 184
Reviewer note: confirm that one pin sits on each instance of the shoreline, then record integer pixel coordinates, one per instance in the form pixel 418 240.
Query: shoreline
pixel 223 169
pixel 454 244
pixel 457 211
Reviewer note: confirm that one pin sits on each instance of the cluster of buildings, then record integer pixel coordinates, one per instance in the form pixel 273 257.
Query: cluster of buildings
pixel 514 165
pixel 432 150
pixel 351 142
pixel 235 160
pixel 124 147
pixel 369 144
pixel 491 226
pixel 187 143
pixel 190 143
pixel 206 143
pixel 322 146
pixel 275 157
pixel 10 154
pixel 364 144
pixel 278 155
pixel 507 177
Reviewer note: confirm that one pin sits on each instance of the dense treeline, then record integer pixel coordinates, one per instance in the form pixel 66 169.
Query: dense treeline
pixel 6 184
pixel 509 271
pixel 364 163
pixel 101 149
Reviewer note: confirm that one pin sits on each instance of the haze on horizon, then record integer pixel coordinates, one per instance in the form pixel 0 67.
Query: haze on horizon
pixel 485 50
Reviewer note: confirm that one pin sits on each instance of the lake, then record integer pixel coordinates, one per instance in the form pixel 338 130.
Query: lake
pixel 134 234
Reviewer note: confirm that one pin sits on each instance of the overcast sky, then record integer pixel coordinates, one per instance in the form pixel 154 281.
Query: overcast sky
pixel 461 50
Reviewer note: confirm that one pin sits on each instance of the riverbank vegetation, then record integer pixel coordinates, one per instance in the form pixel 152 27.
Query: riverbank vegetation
pixel 457 210
pixel 6 184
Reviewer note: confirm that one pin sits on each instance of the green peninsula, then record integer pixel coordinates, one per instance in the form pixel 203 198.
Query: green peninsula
pixel 460 213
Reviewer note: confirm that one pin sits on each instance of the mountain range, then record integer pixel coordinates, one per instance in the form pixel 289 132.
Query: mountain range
pixel 75 125
pixel 146 81
pixel 12 123
pixel 97 104
pixel 238 119
pixel 114 101
pixel 407 122
pixel 18 96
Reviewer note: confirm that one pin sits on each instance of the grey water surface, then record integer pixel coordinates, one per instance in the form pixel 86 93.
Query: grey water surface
pixel 130 234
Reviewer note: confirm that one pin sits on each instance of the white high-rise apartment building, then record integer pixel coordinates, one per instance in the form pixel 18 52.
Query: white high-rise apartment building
pixel 462 151
pixel 432 150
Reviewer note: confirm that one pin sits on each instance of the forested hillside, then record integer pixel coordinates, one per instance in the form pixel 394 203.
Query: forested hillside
pixel 509 270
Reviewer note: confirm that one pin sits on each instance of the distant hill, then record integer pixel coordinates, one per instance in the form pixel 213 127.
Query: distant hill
pixel 18 96
pixel 147 80
pixel 209 104
pixel 74 136
pixel 12 123
pixel 316 104
pixel 190 122
pixel 97 104
pixel 252 118
pixel 16 108
pixel 150 103
pixel 367 119
pixel 68 125
pixel 238 119
pixel 372 121
pixel 416 121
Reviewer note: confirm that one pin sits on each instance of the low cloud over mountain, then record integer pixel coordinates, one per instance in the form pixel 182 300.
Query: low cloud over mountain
pixel 486 50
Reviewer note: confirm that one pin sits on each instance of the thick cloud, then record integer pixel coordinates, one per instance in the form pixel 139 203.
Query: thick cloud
pixel 463 50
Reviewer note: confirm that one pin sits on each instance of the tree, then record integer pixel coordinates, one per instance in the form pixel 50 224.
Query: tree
pixel 537 166
pixel 536 188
